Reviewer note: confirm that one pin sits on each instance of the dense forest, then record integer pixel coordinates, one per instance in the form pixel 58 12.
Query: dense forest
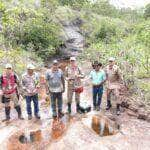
pixel 32 30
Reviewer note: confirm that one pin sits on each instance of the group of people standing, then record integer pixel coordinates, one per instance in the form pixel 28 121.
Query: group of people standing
pixel 12 87
pixel 112 76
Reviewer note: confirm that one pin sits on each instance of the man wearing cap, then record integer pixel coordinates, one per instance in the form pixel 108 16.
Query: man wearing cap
pixel 114 79
pixel 30 84
pixel 73 75
pixel 56 86
pixel 98 77
pixel 9 84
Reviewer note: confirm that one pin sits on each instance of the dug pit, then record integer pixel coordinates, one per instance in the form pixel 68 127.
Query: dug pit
pixel 26 141
pixel 34 136
pixel 101 124
pixel 104 126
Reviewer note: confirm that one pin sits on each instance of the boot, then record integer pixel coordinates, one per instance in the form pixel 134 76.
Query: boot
pixel 7 113
pixel 18 109
pixel 118 109
pixel 108 105
pixel 54 117
pixel 94 108
pixel 29 117
pixel 60 114
pixel 78 108
pixel 37 116
pixel 98 108
pixel 69 108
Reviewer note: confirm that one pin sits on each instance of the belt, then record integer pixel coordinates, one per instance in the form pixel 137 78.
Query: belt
pixel 71 79
pixel 97 85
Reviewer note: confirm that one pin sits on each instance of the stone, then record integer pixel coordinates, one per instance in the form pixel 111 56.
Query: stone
pixel 141 105
pixel 125 104
pixel 133 108
pixel 142 116
pixel 148 118
pixel 132 114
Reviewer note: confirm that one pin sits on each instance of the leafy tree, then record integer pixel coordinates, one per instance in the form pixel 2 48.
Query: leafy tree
pixel 26 26
pixel 72 2
pixel 103 7
pixel 147 11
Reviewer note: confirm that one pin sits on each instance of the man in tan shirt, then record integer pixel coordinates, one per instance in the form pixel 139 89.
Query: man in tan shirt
pixel 114 79
pixel 73 76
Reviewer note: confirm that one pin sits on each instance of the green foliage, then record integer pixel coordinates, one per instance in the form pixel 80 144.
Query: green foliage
pixel 121 33
pixel 103 7
pixel 42 36
pixel 147 12
pixel 65 14
pixel 143 33
pixel 19 59
pixel 76 3
pixel 144 86
pixel 2 7
pixel 31 27
pixel 107 29
pixel 129 43
pixel 105 33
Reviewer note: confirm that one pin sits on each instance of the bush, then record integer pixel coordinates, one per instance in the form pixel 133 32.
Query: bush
pixel 143 33
pixel 28 26
pixel 106 32
pixel 103 7
pixel 147 12
pixel 42 36
pixel 19 59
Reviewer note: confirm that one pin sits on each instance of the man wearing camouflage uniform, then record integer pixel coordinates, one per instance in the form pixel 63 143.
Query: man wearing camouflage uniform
pixel 73 76
pixel 114 79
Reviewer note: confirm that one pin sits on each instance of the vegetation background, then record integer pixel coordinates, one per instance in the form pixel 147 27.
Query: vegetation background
pixel 32 31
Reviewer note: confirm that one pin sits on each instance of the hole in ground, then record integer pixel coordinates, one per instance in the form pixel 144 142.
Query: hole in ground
pixel 104 126
pixel 33 136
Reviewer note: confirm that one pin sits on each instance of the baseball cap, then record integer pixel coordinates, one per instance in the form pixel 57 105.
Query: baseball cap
pixel 111 59
pixel 55 62
pixel 8 66
pixel 30 66
pixel 72 59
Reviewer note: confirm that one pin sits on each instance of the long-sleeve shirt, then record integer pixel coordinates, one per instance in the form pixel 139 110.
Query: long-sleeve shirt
pixel 73 72
pixel 73 75
pixel 114 77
